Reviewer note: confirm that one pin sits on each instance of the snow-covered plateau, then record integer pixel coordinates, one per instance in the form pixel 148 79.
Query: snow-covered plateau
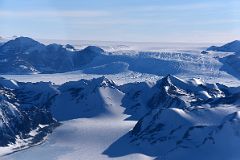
pixel 110 100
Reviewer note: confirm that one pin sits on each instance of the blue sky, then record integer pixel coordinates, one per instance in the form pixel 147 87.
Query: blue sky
pixel 122 20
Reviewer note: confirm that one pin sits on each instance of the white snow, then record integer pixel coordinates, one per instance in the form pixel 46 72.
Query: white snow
pixel 143 63
pixel 85 138
pixel 88 138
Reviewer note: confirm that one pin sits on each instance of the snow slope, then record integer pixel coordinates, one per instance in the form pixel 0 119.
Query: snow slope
pixel 80 139
pixel 86 99
pixel 173 115
pixel 233 46
pixel 106 69
pixel 183 115
pixel 84 138
pixel 231 62
pixel 178 117
pixel 25 119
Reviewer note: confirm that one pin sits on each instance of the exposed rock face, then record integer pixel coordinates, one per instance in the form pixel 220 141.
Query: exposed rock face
pixel 169 92
pixel 24 112
pixel 187 115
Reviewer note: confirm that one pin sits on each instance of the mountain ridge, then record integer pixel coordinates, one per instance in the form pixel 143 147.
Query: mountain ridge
pixel 233 46
pixel 180 115
pixel 24 55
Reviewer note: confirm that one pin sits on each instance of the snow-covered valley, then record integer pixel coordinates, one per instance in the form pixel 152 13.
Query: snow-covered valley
pixel 84 138
pixel 122 102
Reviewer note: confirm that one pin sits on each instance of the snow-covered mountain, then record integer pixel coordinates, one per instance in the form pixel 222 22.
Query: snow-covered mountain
pixel 25 55
pixel 168 92
pixel 166 131
pixel 164 118
pixel 87 98
pixel 136 98
pixel 28 110
pixel 1 41
pixel 184 115
pixel 25 118
pixel 229 47
pixel 174 116
pixel 231 63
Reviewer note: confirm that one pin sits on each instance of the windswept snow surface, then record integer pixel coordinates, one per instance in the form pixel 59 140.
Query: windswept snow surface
pixel 84 138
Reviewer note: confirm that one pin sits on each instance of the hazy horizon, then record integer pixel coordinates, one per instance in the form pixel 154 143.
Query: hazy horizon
pixel 154 21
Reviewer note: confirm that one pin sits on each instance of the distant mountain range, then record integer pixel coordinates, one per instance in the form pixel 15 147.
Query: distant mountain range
pixel 229 47
pixel 232 60
pixel 24 55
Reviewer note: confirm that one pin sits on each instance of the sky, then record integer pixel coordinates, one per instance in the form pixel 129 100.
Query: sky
pixel 122 20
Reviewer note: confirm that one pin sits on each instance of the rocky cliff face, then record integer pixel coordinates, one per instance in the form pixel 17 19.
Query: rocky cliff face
pixel 24 112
